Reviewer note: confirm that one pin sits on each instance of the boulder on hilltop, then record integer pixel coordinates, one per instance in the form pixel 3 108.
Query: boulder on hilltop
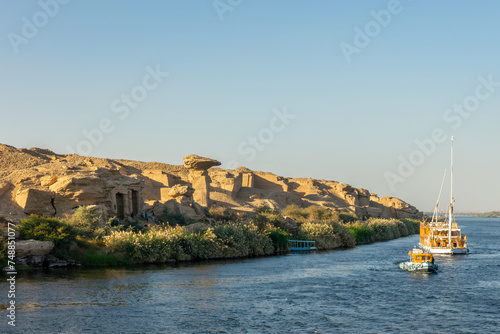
pixel 196 162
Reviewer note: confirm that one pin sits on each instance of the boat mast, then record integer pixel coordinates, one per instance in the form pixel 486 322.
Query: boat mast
pixel 436 208
pixel 450 214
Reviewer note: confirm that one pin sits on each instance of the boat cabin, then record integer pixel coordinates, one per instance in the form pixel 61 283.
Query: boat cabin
pixel 419 256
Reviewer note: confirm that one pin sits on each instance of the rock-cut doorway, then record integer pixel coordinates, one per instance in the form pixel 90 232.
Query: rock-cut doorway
pixel 120 206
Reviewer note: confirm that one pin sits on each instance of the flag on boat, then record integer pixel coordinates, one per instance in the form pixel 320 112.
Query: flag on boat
pixel 452 138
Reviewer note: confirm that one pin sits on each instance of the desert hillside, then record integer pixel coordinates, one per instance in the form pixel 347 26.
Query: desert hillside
pixel 40 181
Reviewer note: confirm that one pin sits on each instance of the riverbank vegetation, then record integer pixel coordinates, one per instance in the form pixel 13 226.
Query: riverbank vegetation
pixel 89 240
pixel 492 214
pixel 327 234
pixel 163 244
pixel 318 213
pixel 3 252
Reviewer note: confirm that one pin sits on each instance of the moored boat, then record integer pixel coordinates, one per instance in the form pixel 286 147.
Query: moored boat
pixel 301 245
pixel 443 237
pixel 419 261
pixel 440 238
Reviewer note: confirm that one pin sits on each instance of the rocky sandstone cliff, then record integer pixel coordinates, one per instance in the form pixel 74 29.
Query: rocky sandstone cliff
pixel 40 181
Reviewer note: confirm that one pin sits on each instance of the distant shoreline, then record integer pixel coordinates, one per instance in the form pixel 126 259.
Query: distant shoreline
pixel 484 214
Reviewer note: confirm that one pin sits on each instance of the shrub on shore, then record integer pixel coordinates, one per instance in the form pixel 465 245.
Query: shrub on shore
pixel 373 230
pixel 360 231
pixel 388 229
pixel 383 229
pixel 328 235
pixel 318 213
pixel 296 212
pixel 311 213
pixel 265 216
pixel 348 217
pixel 91 253
pixel 243 239
pixel 47 229
pixel 89 225
pixel 155 245
pixel 412 225
pixel 173 219
pixel 279 239
pixel 84 228
pixel 224 240
pixel 220 213
pixel 86 222
pixel 3 252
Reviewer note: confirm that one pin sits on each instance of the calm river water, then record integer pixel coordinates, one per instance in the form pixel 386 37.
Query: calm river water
pixel 360 290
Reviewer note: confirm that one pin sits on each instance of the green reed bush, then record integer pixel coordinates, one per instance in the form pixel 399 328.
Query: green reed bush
pixel 348 217
pixel 403 230
pixel 279 238
pixel 320 213
pixel 90 225
pixel 155 245
pixel 412 225
pixel 243 239
pixel 388 229
pixel 3 252
pixel 223 240
pixel 91 252
pixel 200 245
pixel 328 235
pixel 296 212
pixel 311 213
pixel 360 231
pixel 173 219
pixel 47 229
pixel 220 213
pixel 265 215
pixel 86 222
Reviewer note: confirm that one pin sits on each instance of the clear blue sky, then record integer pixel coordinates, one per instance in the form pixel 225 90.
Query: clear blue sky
pixel 65 68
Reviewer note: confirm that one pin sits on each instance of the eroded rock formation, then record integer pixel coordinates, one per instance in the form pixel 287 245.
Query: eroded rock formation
pixel 199 177
pixel 43 182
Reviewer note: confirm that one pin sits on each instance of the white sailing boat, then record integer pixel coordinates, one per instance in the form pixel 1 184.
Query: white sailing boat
pixel 443 237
